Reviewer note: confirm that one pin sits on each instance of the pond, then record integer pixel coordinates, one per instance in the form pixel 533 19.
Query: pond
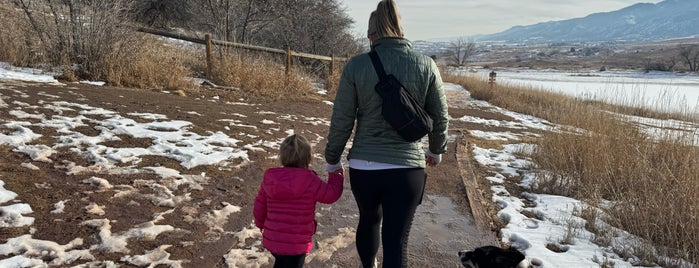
pixel 661 91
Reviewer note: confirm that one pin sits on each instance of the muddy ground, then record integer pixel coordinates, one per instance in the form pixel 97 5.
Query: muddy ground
pixel 444 223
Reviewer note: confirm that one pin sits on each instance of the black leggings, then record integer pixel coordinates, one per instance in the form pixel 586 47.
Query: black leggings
pixel 288 261
pixel 391 194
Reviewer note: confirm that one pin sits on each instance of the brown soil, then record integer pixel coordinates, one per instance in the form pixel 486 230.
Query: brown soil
pixel 237 185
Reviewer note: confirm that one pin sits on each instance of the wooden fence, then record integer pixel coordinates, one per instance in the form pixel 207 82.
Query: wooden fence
pixel 209 43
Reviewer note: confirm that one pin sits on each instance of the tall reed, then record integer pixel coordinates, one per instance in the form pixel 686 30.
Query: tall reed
pixel 651 185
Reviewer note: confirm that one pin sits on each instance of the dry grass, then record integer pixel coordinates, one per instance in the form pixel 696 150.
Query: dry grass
pixel 653 185
pixel 261 77
pixel 145 62
pixel 332 80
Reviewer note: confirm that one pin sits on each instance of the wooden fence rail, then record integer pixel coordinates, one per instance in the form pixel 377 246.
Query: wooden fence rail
pixel 209 43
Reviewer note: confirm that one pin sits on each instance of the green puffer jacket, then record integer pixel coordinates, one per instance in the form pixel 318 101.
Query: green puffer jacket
pixel 356 100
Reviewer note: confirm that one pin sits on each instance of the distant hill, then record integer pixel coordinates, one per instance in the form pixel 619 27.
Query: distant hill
pixel 639 22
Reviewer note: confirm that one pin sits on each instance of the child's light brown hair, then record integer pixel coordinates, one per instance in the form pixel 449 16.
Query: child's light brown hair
pixel 295 151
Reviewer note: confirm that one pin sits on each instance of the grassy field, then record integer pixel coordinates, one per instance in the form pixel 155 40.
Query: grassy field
pixel 646 186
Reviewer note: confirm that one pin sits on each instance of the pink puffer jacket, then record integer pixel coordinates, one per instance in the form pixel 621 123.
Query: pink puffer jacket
pixel 285 207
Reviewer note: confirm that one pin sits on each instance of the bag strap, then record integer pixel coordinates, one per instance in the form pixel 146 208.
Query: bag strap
pixel 377 65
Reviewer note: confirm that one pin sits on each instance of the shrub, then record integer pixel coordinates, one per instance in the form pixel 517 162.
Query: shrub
pixel 143 61
pixel 19 47
pixel 74 33
pixel 261 77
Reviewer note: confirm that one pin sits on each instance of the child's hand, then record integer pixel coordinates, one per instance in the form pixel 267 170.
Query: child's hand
pixel 339 171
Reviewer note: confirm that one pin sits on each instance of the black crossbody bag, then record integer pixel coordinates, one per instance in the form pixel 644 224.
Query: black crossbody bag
pixel 399 108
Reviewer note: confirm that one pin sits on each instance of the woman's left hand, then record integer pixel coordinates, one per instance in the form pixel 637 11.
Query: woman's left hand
pixel 432 159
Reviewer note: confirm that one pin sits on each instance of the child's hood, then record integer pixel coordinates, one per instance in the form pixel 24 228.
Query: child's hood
pixel 285 182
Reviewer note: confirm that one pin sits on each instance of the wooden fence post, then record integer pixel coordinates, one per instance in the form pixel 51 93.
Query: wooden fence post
pixel 209 42
pixel 491 79
pixel 288 61
pixel 209 56
pixel 332 65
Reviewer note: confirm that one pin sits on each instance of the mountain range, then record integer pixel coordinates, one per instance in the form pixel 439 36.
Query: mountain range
pixel 639 22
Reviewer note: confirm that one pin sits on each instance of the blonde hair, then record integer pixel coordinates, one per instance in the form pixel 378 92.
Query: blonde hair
pixel 295 151
pixel 385 20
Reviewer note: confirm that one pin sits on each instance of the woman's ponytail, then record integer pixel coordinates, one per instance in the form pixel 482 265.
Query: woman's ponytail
pixel 386 20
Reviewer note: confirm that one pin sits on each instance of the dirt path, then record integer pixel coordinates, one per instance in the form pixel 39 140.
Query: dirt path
pixel 443 225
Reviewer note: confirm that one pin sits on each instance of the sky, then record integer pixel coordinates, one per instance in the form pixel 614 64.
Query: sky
pixel 554 213
pixel 432 19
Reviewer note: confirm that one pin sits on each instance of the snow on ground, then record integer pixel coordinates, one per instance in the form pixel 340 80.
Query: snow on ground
pixel 26 74
pixel 169 138
pixel 687 132
pixel 555 215
pixel 172 139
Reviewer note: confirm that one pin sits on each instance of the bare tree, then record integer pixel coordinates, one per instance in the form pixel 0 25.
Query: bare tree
pixel 73 32
pixel 29 12
pixel 214 16
pixel 460 50
pixel 258 14
pixel 314 26
pixel 666 65
pixel 161 13
pixel 233 20
pixel 690 56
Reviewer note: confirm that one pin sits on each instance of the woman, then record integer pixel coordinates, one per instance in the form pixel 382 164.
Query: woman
pixel 386 172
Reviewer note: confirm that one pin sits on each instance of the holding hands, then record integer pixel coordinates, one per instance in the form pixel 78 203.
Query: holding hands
pixel 432 159
pixel 335 168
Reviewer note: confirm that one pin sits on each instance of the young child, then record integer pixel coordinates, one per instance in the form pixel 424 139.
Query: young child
pixel 285 205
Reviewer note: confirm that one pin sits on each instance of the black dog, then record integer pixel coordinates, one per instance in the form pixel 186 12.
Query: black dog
pixel 493 257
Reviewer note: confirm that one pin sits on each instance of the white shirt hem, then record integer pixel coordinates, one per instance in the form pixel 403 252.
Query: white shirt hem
pixel 370 165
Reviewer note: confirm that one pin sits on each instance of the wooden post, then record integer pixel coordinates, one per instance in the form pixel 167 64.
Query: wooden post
pixel 332 65
pixel 209 56
pixel 288 61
